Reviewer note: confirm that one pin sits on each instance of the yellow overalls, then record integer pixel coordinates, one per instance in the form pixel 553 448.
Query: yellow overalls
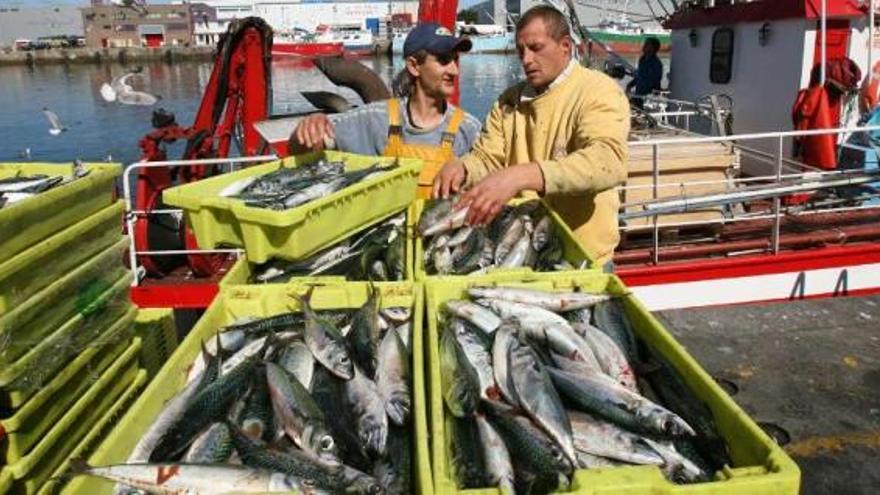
pixel 433 156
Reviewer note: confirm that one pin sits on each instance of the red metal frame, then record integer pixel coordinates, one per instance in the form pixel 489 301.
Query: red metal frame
pixel 238 95
pixel 751 265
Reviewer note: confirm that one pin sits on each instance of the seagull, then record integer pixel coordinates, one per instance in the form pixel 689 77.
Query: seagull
pixel 54 121
pixel 124 93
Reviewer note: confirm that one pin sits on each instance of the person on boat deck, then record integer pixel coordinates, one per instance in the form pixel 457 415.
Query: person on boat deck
pixel 649 74
pixel 421 123
pixel 561 134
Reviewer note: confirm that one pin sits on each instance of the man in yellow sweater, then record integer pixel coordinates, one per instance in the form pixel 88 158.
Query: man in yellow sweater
pixel 562 134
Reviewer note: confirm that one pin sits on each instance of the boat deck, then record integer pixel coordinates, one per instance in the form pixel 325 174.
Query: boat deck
pixel 811 370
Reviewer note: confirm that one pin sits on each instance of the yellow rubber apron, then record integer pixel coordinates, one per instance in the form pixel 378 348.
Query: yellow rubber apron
pixel 433 156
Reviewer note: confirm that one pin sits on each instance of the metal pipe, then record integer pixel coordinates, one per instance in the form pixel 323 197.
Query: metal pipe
pixel 656 180
pixel 191 251
pixel 698 203
pixel 776 201
pixel 788 241
pixel 871 5
pixel 754 136
pixel 824 37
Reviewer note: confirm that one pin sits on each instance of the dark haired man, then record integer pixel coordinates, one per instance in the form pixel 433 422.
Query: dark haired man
pixel 561 133
pixel 649 73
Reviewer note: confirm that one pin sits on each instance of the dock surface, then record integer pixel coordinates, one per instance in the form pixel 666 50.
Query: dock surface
pixel 811 370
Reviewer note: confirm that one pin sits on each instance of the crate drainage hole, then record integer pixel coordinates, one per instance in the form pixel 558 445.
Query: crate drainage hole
pixel 776 432
pixel 729 386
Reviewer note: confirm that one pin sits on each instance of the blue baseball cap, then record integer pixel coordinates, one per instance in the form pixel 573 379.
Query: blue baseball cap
pixel 435 39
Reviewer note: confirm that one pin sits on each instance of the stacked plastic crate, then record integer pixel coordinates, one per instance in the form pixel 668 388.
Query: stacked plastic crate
pixel 757 464
pixel 69 361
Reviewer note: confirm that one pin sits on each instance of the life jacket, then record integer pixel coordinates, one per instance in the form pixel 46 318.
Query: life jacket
pixel 813 109
pixel 433 156
pixel 869 95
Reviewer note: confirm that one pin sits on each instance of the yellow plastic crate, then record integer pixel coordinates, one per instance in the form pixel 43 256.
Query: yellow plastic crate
pixel 6 479
pixel 241 271
pixel 234 302
pixel 760 465
pixel 93 439
pixel 27 425
pixel 34 219
pixel 156 329
pixel 572 251
pixel 30 321
pixel 53 449
pixel 298 232
pixel 29 271
pixel 22 378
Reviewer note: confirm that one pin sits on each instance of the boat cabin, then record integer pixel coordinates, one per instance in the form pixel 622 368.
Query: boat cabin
pixel 761 53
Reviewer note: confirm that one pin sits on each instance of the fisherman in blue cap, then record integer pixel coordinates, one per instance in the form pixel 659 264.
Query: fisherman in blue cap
pixel 419 122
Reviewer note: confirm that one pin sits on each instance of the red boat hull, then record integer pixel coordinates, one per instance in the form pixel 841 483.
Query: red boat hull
pixel 307 50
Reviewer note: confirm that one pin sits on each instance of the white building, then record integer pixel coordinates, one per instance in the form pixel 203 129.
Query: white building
pixel 208 34
pixel 308 14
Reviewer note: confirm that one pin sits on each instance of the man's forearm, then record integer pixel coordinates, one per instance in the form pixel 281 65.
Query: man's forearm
pixel 529 176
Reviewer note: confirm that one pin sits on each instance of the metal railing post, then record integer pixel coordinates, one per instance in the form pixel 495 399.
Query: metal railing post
pixel 777 200
pixel 656 179
pixel 131 214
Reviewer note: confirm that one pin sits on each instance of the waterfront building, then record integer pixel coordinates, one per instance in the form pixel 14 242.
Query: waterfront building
pixel 31 23
pixel 290 15
pixel 154 26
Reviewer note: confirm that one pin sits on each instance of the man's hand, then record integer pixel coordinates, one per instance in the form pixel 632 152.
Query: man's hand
pixel 486 199
pixel 312 130
pixel 449 180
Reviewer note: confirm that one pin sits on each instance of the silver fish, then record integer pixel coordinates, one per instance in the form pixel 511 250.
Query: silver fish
pixel 214 445
pixel 515 231
pixel 369 411
pixel 611 358
pixel 326 343
pixel 538 397
pixel 206 479
pixel 545 326
pixel 299 415
pixel 601 438
pixel 504 339
pixel 478 353
pixel 298 360
pixel 499 467
pixel 393 376
pixel 484 319
pixel 556 302
pixel 451 221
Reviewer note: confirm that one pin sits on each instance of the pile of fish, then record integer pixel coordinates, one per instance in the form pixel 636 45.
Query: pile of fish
pixel 317 402
pixel 378 254
pixel 289 187
pixel 20 187
pixel 522 235
pixel 538 384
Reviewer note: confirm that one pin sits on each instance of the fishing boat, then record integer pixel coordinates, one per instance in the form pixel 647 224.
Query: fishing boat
pixel 483 40
pixel 304 45
pixel 717 238
pixel 355 41
pixel 626 37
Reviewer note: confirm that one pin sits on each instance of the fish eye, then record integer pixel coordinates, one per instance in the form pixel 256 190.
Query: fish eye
pixel 326 442
pixel 376 489
pixel 343 359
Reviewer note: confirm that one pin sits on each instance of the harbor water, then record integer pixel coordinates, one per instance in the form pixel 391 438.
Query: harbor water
pixel 97 130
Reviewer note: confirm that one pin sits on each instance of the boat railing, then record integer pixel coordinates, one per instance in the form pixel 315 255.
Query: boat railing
pixel 786 177
pixel 132 214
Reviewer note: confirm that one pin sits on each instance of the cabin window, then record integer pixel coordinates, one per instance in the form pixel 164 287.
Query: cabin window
pixel 721 63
